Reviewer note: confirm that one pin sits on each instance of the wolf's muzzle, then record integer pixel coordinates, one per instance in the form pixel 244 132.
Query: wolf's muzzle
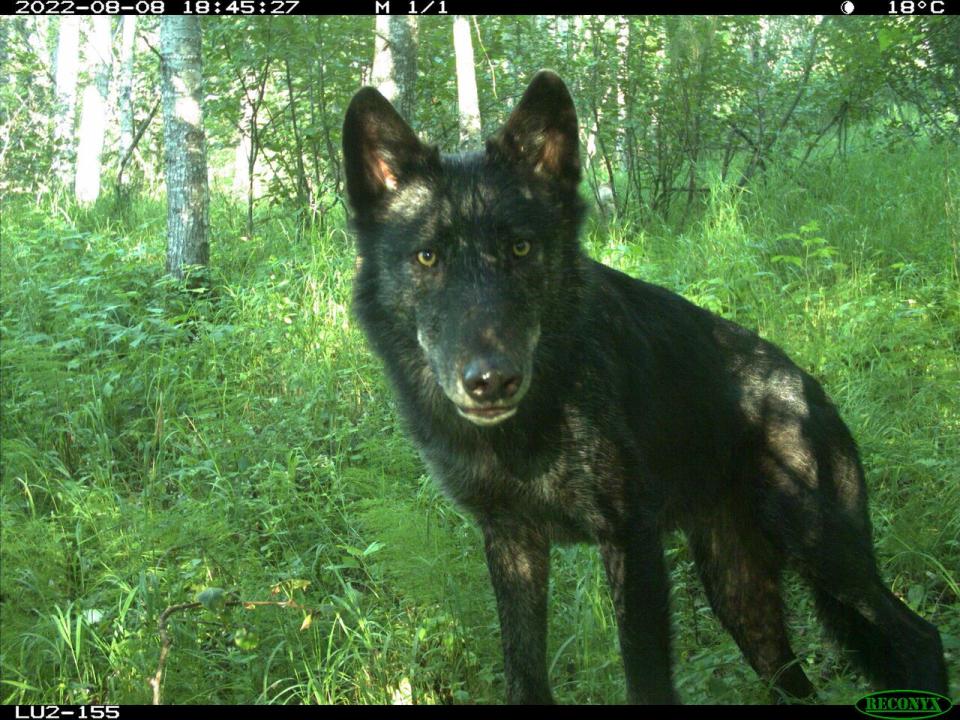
pixel 491 380
pixel 494 386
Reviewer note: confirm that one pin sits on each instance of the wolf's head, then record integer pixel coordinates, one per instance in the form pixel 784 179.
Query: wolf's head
pixel 466 261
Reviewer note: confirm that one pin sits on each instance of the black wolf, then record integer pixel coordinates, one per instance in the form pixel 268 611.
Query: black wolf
pixel 558 400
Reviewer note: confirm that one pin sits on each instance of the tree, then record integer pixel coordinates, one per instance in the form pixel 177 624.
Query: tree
pixel 4 77
pixel 253 88
pixel 93 118
pixel 125 85
pixel 395 61
pixel 467 101
pixel 185 154
pixel 68 51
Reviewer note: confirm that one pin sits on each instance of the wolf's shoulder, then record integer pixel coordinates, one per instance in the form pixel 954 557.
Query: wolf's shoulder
pixel 613 287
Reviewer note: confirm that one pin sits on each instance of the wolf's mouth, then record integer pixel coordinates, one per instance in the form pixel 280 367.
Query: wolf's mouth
pixel 487 415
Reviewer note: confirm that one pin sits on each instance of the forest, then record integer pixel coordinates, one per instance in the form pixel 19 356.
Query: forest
pixel 207 493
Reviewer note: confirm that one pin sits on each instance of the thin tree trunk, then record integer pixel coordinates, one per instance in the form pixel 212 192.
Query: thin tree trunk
pixel 332 155
pixel 37 33
pixel 4 72
pixel 467 100
pixel 93 118
pixel 243 152
pixel 184 144
pixel 125 89
pixel 68 55
pixel 248 147
pixel 623 76
pixel 121 183
pixel 304 198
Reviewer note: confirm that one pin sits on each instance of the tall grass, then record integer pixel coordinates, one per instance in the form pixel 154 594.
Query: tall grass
pixel 155 445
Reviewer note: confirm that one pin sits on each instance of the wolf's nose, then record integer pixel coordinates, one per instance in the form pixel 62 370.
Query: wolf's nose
pixel 489 380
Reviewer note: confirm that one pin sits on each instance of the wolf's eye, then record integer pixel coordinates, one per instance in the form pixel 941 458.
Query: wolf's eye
pixel 521 248
pixel 427 258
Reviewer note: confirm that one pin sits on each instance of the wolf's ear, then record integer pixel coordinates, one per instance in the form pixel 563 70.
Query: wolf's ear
pixel 379 149
pixel 541 132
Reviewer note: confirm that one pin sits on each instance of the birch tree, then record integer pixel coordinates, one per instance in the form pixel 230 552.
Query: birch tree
pixel 4 74
pixel 93 117
pixel 383 75
pixel 68 52
pixel 185 155
pixel 467 101
pixel 395 61
pixel 403 37
pixel 38 33
pixel 128 35
pixel 243 156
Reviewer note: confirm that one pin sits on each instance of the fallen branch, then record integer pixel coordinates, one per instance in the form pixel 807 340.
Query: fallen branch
pixel 136 141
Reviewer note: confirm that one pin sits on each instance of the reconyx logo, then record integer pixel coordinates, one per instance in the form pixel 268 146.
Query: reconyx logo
pixel 898 704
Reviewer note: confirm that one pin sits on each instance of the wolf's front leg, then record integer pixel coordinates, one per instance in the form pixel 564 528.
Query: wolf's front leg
pixel 518 557
pixel 638 582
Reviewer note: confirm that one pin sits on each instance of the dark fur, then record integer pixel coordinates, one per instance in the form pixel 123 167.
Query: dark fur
pixel 634 411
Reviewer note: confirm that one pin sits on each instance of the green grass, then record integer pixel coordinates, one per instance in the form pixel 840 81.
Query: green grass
pixel 155 445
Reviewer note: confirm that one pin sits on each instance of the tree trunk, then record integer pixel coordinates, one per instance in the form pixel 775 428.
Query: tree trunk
pixel 125 89
pixel 403 37
pixel 36 30
pixel 68 52
pixel 468 103
pixel 624 52
pixel 383 75
pixel 4 68
pixel 93 118
pixel 332 155
pixel 581 39
pixel 395 62
pixel 304 193
pixel 253 88
pixel 185 154
pixel 244 150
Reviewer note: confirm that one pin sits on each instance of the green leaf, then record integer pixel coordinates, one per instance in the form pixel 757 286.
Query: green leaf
pixel 791 259
pixel 245 640
pixel 213 599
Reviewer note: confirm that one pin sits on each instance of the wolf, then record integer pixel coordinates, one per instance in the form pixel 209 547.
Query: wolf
pixel 557 400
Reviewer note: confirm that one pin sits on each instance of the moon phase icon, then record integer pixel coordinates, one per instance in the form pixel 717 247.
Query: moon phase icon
pixel 846 7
